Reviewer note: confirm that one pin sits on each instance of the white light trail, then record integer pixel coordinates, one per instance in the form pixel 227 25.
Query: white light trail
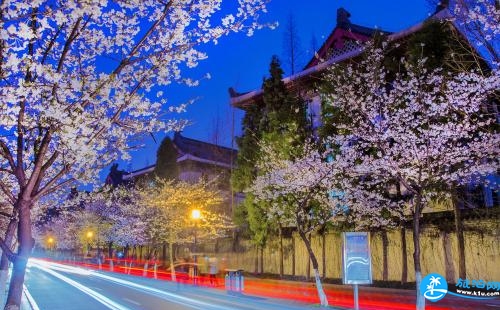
pixel 162 294
pixel 196 304
pixel 45 266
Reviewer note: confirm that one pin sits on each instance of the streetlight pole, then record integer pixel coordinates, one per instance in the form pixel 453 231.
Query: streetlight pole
pixel 195 215
pixel 90 234
pixel 50 241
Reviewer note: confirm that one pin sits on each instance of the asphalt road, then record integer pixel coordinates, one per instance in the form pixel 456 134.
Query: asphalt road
pixel 55 286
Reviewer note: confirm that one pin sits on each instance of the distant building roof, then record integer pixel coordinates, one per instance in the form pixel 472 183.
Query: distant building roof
pixel 343 43
pixel 205 151
pixel 187 150
pixel 344 37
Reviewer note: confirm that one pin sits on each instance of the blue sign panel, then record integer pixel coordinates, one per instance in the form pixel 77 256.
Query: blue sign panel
pixel 357 264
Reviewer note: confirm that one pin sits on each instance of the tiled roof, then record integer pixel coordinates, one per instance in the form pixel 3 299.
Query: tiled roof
pixel 204 150
pixel 348 51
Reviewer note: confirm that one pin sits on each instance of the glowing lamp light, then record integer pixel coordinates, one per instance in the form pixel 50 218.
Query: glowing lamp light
pixel 195 214
pixel 90 234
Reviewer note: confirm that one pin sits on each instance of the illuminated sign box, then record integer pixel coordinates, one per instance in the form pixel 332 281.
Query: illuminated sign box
pixel 356 258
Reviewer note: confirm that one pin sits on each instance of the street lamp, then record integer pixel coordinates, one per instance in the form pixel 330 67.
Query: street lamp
pixel 90 234
pixel 195 216
pixel 50 242
pixel 50 245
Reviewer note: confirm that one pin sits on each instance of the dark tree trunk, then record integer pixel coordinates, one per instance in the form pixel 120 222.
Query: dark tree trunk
pixel 404 256
pixel 308 266
pixel 164 253
pixel 26 243
pixel 256 265
pixel 293 255
pixel 459 230
pixel 416 254
pixel 281 251
pixel 323 253
pixel 110 249
pixel 385 245
pixel 448 256
pixel 235 241
pixel 314 261
pixel 261 260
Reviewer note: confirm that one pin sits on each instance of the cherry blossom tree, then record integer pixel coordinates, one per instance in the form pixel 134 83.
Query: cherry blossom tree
pixel 112 215
pixel 480 21
pixel 311 190
pixel 295 192
pixel 421 127
pixel 172 203
pixel 80 78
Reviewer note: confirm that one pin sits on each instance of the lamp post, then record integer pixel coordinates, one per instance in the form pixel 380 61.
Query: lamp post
pixel 195 216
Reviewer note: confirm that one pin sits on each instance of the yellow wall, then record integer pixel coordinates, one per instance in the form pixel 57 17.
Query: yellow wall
pixel 439 254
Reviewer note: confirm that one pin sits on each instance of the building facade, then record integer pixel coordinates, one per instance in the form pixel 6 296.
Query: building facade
pixel 345 44
pixel 195 160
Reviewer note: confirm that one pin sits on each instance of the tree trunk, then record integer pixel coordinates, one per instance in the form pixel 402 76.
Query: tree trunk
pixel 323 253
pixel 4 261
pixel 293 255
pixel 416 254
pixel 110 250
pixel 281 251
pixel 385 245
pixel 448 256
pixel 146 266
pixel 164 253
pixel 459 230
pixel 308 266
pixel 314 261
pixel 171 256
pixel 26 243
pixel 256 261
pixel 261 260
pixel 404 256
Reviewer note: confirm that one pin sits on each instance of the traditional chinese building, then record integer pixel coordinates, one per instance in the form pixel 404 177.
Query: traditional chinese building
pixel 344 44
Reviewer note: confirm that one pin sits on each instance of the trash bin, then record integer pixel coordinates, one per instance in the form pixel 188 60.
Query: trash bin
pixel 234 280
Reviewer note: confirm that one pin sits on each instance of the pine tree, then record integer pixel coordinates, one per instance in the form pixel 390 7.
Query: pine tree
pixel 166 160
pixel 280 120
pixel 285 121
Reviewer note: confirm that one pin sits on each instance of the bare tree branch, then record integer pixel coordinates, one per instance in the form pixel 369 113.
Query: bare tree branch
pixel 49 187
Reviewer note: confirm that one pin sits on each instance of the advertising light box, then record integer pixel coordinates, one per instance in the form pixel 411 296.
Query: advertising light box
pixel 356 258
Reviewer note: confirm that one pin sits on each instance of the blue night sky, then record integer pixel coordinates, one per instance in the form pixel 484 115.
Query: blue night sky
pixel 241 62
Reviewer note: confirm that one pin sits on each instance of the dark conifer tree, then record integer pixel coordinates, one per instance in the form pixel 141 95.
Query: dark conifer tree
pixel 166 160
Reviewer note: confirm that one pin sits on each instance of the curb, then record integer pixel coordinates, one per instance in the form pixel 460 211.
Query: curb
pixel 28 303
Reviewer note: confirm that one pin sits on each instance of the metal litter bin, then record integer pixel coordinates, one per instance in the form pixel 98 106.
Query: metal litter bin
pixel 234 280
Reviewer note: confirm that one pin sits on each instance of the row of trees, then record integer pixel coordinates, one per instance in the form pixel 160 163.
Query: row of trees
pixel 405 123
pixel 79 83
pixel 126 217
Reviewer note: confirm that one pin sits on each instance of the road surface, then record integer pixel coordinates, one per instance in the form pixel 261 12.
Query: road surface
pixel 54 286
